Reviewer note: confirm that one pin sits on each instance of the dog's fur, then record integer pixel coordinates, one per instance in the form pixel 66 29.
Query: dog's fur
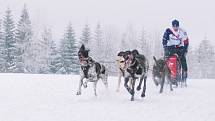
pixel 136 66
pixel 90 70
pixel 121 68
pixel 161 73
pixel 157 71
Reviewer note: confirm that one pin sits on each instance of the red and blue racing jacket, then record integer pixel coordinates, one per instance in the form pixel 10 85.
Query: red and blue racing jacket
pixel 175 39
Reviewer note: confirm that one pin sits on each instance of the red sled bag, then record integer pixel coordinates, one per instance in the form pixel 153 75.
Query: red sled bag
pixel 172 65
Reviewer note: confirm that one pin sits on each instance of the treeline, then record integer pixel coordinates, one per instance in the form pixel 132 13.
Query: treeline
pixel 201 60
pixel 23 51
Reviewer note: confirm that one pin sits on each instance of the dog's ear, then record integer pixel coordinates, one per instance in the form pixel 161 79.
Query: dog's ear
pixel 154 58
pixel 135 52
pixel 87 52
pixel 82 47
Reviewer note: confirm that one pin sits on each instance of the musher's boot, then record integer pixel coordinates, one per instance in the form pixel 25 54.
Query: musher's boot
pixel 184 77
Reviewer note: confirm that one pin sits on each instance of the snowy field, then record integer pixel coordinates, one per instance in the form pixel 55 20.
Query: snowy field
pixel 53 98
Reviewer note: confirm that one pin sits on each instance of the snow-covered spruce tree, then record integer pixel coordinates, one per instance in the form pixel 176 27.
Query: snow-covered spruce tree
pixel 193 63
pixel 110 50
pixel 123 43
pixel 2 50
pixel 39 53
pixel 157 48
pixel 32 58
pixel 68 50
pixel 9 39
pixel 86 36
pixel 131 37
pixel 23 38
pixel 55 59
pixel 44 58
pixel 143 44
pixel 97 44
pixel 206 58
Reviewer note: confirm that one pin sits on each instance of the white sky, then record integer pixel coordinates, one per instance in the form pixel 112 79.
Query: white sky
pixel 197 17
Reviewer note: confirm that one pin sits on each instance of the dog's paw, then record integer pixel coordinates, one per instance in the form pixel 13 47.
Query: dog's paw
pixel 143 95
pixel 138 88
pixel 78 93
pixel 132 99
pixel 156 83
pixel 85 85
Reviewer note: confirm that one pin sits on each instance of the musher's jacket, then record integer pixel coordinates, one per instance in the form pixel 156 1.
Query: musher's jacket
pixel 174 39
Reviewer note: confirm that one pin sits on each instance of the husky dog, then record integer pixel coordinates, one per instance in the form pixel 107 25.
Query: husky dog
pixel 161 73
pixel 158 70
pixel 90 70
pixel 136 67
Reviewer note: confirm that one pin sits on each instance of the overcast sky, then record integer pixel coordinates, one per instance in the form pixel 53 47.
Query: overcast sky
pixel 197 17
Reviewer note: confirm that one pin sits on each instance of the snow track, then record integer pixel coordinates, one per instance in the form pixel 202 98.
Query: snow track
pixel 52 98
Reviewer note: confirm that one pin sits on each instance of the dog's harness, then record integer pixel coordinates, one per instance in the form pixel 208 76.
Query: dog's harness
pixel 132 68
pixel 85 69
pixel 90 63
pixel 137 67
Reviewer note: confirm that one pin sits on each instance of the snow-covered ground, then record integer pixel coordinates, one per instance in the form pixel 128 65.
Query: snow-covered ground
pixel 53 98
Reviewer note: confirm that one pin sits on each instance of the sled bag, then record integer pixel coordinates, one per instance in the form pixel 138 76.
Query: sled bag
pixel 172 65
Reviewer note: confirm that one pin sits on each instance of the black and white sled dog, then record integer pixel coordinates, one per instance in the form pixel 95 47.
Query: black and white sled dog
pixel 135 67
pixel 90 70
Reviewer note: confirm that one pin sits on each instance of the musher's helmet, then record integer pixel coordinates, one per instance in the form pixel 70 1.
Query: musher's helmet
pixel 175 23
